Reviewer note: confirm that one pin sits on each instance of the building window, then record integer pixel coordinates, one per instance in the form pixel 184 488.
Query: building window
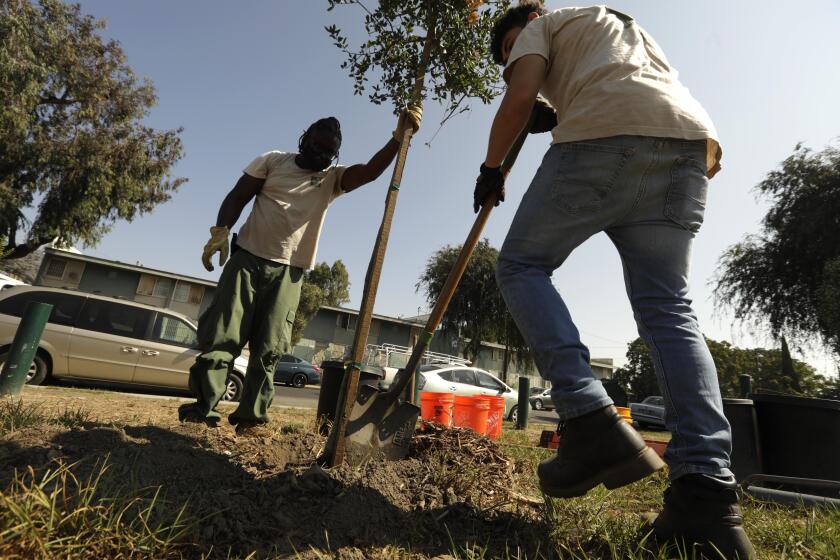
pixel 346 321
pixel 55 268
pixel 182 292
pixel 163 287
pixel 172 330
pixel 196 293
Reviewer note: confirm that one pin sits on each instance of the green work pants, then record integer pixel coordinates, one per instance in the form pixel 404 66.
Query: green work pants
pixel 255 303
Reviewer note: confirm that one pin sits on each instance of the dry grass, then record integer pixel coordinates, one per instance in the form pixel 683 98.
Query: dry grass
pixel 56 515
pixel 53 514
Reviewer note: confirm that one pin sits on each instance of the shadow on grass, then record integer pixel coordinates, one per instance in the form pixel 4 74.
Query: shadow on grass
pixel 282 507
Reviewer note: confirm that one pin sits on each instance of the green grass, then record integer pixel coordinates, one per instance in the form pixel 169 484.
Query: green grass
pixel 15 415
pixel 53 514
pixel 72 417
pixel 56 515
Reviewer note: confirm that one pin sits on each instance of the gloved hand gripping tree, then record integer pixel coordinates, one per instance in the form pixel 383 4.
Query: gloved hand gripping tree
pixel 416 50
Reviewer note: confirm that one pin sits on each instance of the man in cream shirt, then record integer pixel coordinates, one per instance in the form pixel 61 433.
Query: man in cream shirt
pixel 259 289
pixel 631 155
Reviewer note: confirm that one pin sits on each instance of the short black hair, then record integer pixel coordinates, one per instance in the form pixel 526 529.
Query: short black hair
pixel 514 17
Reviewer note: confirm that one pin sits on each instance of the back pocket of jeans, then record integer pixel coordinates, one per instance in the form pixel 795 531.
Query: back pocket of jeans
pixel 587 173
pixel 685 202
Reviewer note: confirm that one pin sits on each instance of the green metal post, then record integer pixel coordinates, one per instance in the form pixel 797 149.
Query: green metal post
pixel 745 385
pixel 24 347
pixel 522 411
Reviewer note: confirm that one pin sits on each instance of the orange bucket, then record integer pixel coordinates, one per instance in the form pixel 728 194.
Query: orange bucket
pixel 496 415
pixel 437 407
pixel 471 413
pixel 624 412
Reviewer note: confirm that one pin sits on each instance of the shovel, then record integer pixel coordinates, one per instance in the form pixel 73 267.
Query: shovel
pixel 379 425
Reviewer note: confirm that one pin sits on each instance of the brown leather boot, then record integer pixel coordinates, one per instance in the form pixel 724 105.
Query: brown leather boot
pixel 596 448
pixel 701 516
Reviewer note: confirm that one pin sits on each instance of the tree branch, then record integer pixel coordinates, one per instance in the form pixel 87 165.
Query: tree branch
pixel 19 251
pixel 53 100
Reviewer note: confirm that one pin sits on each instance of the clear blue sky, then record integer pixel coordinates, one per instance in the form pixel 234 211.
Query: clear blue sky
pixel 246 77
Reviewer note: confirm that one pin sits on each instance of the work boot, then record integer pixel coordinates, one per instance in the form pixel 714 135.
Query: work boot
pixel 701 516
pixel 253 430
pixel 190 413
pixel 596 448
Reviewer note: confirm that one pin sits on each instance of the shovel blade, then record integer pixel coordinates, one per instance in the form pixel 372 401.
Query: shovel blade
pixel 379 426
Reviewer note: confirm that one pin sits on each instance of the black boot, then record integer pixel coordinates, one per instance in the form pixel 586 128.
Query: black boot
pixel 701 514
pixel 596 448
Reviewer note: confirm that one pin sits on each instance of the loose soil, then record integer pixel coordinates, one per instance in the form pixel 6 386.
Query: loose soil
pixel 455 491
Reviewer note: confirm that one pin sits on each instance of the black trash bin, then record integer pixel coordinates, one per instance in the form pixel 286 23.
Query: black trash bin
pixel 332 375
pixel 746 451
pixel 799 436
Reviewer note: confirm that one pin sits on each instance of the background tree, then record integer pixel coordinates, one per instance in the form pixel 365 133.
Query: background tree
pixel 788 276
pixel 828 303
pixel 71 138
pixel 477 311
pixel 323 285
pixel 764 365
pixel 637 377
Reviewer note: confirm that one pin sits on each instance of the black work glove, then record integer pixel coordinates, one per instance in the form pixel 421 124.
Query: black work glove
pixel 490 181
pixel 546 118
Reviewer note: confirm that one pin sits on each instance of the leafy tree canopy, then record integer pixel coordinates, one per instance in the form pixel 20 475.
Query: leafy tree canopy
pixel 456 38
pixel 323 285
pixel 73 149
pixel 788 276
pixel 477 311
pixel 765 366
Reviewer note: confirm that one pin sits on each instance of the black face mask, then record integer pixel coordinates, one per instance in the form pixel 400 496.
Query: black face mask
pixel 314 158
pixel 315 161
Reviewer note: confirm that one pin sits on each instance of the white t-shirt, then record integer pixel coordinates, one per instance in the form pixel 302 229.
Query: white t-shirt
pixel 285 222
pixel 607 77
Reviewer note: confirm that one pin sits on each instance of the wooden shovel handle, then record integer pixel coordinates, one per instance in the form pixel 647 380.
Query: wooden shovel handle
pixel 454 278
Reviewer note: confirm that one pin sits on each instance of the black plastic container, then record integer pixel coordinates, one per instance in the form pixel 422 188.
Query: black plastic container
pixel 746 450
pixel 800 437
pixel 332 375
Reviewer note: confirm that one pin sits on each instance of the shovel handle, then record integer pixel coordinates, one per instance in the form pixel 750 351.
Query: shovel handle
pixel 454 278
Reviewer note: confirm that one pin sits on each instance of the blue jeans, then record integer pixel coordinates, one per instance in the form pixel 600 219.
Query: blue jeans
pixel 648 195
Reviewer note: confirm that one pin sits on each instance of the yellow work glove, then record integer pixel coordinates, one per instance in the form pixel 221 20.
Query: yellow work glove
pixel 408 117
pixel 218 242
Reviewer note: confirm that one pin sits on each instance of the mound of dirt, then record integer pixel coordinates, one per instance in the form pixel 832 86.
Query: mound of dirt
pixel 455 490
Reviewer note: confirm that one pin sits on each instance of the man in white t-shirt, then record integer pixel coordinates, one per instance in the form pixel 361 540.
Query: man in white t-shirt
pixel 631 155
pixel 258 292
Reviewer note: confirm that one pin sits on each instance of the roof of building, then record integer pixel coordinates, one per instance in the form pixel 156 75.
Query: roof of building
pixel 399 320
pixel 125 266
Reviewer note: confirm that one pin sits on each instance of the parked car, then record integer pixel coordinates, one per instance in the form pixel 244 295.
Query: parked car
pixel 467 381
pixel 648 413
pixel 542 401
pixel 108 341
pixel 9 282
pixel 294 372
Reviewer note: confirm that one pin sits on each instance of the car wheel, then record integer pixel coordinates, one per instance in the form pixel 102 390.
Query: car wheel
pixel 299 381
pixel 233 388
pixel 538 405
pixel 513 415
pixel 38 370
